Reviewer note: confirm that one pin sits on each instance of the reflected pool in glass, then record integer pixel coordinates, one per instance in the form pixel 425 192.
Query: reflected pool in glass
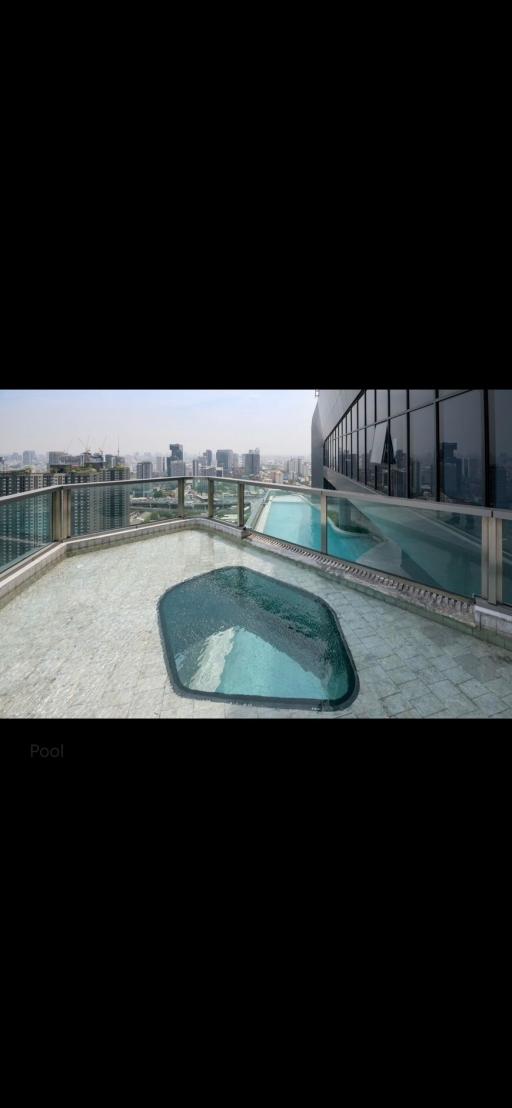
pixel 234 634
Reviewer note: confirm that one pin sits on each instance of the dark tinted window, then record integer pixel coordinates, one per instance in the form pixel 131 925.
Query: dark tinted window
pixel 461 448
pixel 398 400
pixel 421 396
pixel 360 407
pixel 349 456
pixel 500 414
pixel 398 456
pixel 447 392
pixel 422 476
pixel 370 468
pixel 362 459
pixel 382 403
pixel 381 449
pixel 370 405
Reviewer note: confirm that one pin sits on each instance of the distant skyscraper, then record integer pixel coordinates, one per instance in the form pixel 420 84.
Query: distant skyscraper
pixel 29 457
pixel 208 457
pixel 251 463
pixel 175 469
pixel 176 455
pixel 56 457
pixel 145 470
pixel 225 459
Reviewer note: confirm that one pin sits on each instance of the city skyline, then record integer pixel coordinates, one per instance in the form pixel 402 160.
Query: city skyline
pixel 278 421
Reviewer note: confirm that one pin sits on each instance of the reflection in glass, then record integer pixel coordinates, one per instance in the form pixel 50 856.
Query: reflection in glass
pixel 370 467
pixel 382 404
pixel 370 405
pixel 362 456
pixel 361 413
pixel 25 527
pixel 398 456
pixel 431 547
pixel 461 439
pixel 421 396
pixel 422 475
pixel 507 561
pixel 398 401
pixel 500 416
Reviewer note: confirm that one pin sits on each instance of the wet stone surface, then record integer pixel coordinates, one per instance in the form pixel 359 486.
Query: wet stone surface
pixel 83 641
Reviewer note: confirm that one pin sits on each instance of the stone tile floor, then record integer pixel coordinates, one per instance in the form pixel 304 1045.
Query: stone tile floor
pixel 83 641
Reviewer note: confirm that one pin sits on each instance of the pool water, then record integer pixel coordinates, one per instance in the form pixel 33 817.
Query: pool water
pixel 235 634
pixel 295 520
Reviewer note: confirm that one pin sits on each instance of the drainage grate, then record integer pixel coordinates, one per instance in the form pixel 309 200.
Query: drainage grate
pixel 428 597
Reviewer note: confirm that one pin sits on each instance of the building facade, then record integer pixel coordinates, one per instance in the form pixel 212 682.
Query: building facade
pixel 175 462
pixel 144 471
pixel 251 463
pixel 225 461
pixel 436 444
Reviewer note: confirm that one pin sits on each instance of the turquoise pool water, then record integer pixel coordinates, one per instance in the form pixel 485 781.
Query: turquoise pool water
pixel 299 522
pixel 235 634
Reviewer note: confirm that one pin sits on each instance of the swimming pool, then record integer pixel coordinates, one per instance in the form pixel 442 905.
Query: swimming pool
pixel 238 635
pixel 296 520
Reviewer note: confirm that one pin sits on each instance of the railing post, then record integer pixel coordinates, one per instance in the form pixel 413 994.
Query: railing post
pixel 210 497
pixel 57 517
pixel 66 511
pixel 181 497
pixel 485 557
pixel 499 560
pixel 241 504
pixel 323 522
pixel 492 560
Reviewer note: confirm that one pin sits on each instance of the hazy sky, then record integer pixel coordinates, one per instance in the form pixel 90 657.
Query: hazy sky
pixel 276 420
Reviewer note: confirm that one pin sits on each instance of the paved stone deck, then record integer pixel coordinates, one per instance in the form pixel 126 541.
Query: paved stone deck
pixel 83 641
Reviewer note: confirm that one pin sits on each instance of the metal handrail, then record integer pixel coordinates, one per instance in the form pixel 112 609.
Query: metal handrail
pixel 491 539
pixel 334 494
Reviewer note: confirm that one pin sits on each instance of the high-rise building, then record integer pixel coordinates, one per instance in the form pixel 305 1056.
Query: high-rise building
pixel 57 457
pixel 159 465
pixel 175 456
pixel 208 457
pixel 29 457
pixel 225 459
pixel 435 444
pixel 251 463
pixel 295 468
pixel 175 469
pixel 144 470
pixel 13 481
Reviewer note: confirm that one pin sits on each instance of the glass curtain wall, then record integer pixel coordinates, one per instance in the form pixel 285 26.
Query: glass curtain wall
pixel 428 444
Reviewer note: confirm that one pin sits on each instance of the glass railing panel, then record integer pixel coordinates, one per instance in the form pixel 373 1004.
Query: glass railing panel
pixel 196 497
pixel 25 527
pixel 120 506
pixel 254 498
pixel 289 515
pixel 436 549
pixel 225 501
pixel 507 561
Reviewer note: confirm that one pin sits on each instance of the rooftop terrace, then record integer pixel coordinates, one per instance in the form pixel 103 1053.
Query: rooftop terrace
pixel 83 640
